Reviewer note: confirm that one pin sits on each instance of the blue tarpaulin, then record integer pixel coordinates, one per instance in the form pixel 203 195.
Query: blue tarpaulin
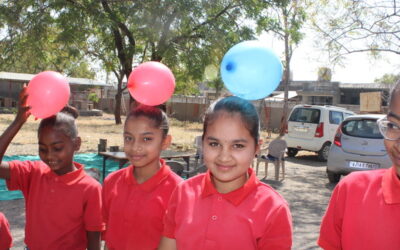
pixel 89 160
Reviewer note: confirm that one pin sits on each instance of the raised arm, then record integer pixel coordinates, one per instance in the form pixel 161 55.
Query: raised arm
pixel 12 130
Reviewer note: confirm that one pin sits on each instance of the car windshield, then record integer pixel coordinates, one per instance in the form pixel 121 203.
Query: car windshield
pixel 366 128
pixel 308 115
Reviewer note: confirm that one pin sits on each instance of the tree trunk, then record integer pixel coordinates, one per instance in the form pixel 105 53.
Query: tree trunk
pixel 117 110
pixel 286 79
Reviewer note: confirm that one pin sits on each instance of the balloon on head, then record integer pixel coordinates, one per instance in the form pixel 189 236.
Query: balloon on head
pixel 48 93
pixel 251 70
pixel 151 83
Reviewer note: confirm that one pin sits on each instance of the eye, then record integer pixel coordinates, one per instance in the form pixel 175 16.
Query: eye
pixel 42 150
pixel 213 144
pixel 392 125
pixel 238 146
pixel 147 139
pixel 58 149
pixel 128 138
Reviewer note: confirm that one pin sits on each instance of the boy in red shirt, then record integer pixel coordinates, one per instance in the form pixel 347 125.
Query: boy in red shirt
pixel 63 204
pixel 228 207
pixel 135 198
pixel 364 210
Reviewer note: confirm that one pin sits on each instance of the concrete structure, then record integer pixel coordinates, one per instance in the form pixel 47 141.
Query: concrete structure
pixel 11 84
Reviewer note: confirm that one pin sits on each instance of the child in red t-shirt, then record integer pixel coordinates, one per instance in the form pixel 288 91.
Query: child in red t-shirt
pixel 63 204
pixel 5 234
pixel 228 207
pixel 135 198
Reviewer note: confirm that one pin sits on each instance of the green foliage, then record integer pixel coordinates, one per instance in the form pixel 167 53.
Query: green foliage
pixel 389 79
pixel 93 98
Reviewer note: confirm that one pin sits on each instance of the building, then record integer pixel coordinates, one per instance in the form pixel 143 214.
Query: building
pixel 11 84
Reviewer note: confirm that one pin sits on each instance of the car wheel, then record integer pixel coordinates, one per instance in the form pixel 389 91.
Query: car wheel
pixel 332 177
pixel 292 152
pixel 324 152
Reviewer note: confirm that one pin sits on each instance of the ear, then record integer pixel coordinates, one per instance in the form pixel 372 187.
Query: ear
pixel 166 142
pixel 77 143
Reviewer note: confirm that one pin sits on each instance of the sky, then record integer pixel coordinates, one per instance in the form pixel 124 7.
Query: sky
pixel 358 67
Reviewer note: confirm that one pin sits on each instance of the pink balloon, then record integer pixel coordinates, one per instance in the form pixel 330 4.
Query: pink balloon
pixel 48 93
pixel 151 83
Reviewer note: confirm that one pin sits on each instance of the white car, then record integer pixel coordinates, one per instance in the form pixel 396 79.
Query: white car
pixel 313 127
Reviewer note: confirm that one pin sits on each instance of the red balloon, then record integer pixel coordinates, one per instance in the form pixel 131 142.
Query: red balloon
pixel 151 83
pixel 48 93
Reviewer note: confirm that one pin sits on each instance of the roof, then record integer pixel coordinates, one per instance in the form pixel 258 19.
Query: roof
pixel 365 116
pixel 28 77
pixel 281 97
pixel 364 86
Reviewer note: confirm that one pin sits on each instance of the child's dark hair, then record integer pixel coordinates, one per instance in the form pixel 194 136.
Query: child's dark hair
pixel 235 105
pixel 63 121
pixel 394 91
pixel 153 113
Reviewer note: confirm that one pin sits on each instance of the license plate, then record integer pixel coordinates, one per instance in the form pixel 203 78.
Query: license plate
pixel 363 165
pixel 301 129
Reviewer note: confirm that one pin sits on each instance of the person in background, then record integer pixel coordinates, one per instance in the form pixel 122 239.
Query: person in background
pixel 63 204
pixel 364 210
pixel 135 198
pixel 228 207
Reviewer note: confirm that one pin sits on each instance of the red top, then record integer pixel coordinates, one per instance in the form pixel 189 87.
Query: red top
pixel 5 234
pixel 134 212
pixel 252 217
pixel 59 209
pixel 364 212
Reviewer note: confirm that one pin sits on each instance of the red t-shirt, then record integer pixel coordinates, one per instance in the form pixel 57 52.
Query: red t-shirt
pixel 364 212
pixel 59 209
pixel 252 217
pixel 5 234
pixel 134 212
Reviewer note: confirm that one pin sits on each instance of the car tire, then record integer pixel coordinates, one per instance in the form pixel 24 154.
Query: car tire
pixel 324 152
pixel 292 152
pixel 333 177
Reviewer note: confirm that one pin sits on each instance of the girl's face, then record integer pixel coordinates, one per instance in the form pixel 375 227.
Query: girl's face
pixel 393 147
pixel 143 142
pixel 228 150
pixel 57 150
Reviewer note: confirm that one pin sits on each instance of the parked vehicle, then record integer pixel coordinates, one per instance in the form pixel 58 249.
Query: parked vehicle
pixel 358 145
pixel 312 128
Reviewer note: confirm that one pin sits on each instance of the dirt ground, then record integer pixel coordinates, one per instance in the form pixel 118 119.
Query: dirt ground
pixel 306 188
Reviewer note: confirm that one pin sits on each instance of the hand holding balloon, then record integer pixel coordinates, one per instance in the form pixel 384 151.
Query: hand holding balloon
pixel 48 92
pixel 151 83
pixel 251 70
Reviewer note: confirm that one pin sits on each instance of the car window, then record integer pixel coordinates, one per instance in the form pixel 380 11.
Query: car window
pixel 366 128
pixel 335 117
pixel 308 115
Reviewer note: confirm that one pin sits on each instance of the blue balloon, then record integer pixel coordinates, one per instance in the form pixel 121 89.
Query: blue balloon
pixel 251 70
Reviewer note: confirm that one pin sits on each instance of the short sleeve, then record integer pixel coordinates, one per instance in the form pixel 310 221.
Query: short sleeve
pixel 20 175
pixel 5 234
pixel 331 225
pixel 170 218
pixel 278 234
pixel 93 217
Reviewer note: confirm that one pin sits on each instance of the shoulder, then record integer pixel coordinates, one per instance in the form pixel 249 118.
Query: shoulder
pixel 174 178
pixel 362 179
pixel 116 175
pixel 192 183
pixel 265 193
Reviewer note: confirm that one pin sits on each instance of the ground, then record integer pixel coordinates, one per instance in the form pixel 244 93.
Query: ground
pixel 306 187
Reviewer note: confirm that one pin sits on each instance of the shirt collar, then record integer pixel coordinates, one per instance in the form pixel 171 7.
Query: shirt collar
pixel 68 178
pixel 236 196
pixel 391 186
pixel 151 183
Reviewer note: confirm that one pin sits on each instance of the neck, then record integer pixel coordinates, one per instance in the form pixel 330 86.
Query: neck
pixel 229 186
pixel 144 173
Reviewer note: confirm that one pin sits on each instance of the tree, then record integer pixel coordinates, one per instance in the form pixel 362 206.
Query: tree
pixel 284 20
pixel 350 26
pixel 389 79
pixel 36 44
